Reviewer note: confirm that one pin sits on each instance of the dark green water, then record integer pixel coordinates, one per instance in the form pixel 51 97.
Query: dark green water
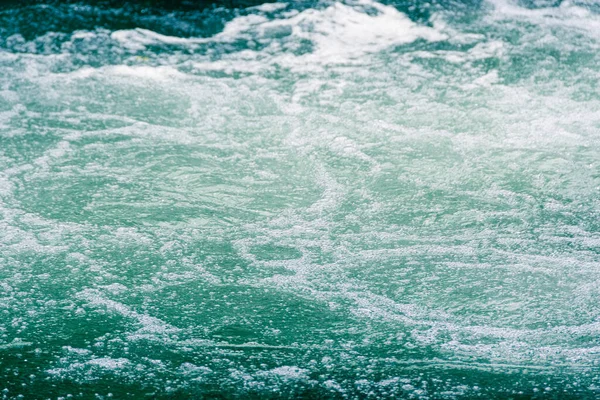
pixel 310 199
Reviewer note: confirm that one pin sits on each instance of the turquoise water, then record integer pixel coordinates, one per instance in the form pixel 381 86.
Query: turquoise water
pixel 300 200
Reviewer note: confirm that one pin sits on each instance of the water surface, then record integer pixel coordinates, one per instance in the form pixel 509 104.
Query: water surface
pixel 313 199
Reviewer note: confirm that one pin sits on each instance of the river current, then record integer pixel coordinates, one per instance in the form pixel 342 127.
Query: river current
pixel 316 199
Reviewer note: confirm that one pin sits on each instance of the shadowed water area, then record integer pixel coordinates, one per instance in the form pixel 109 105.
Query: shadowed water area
pixel 312 199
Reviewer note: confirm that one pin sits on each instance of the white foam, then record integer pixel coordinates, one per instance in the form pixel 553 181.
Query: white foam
pixel 290 372
pixel 150 325
pixel 17 343
pixel 138 39
pixel 567 15
pixel 270 7
pixel 340 34
pixel 109 363
pixel 76 350
pixel 138 72
pixel 146 72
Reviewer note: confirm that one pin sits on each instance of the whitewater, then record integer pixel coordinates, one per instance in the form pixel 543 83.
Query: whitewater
pixel 316 199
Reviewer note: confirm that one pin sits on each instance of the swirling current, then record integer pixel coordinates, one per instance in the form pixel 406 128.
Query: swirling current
pixel 303 199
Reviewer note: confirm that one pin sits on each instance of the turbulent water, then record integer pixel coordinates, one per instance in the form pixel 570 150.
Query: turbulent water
pixel 312 199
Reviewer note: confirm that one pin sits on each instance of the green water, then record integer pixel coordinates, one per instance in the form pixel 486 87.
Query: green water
pixel 300 200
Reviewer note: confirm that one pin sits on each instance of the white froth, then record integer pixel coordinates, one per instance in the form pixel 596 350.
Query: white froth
pixel 340 34
pixel 568 15
pixel 149 325
pixel 109 363
pixel 270 7
pixel 290 372
pixel 139 39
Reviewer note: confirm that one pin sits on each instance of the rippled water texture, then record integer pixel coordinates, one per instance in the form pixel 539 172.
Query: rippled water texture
pixel 316 199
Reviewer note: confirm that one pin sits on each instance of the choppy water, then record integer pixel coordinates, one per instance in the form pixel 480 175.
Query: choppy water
pixel 317 199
